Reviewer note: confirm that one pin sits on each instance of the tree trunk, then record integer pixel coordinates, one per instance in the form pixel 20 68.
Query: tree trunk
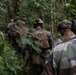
pixel 16 4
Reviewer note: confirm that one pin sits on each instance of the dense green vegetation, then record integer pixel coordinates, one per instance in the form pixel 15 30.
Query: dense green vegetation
pixel 10 63
pixel 50 11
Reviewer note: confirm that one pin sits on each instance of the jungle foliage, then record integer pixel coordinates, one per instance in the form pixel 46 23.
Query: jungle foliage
pixel 10 62
pixel 50 11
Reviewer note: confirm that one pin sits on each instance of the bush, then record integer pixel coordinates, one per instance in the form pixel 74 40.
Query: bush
pixel 10 63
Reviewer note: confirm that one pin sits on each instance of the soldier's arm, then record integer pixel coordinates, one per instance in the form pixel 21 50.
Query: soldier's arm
pixel 50 39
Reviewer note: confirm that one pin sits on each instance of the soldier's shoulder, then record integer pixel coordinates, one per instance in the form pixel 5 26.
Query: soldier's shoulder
pixel 57 41
pixel 47 32
pixel 64 45
pixel 61 47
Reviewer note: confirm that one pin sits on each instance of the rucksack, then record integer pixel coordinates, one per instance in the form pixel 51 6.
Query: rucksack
pixel 42 37
pixel 74 26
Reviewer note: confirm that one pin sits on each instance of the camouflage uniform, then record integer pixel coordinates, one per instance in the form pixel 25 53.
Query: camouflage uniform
pixel 48 34
pixel 38 60
pixel 17 30
pixel 57 41
pixel 62 61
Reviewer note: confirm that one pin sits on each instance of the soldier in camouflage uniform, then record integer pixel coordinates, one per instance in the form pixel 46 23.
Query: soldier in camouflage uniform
pixel 46 42
pixel 62 61
pixel 64 28
pixel 38 26
pixel 16 30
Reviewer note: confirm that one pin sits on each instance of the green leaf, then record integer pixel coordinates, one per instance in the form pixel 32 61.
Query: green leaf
pixel 26 41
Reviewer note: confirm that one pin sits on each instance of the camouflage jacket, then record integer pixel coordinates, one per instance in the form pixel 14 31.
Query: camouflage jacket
pixel 62 61
pixel 48 35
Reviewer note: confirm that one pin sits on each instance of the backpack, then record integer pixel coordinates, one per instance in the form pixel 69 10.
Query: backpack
pixel 74 26
pixel 42 37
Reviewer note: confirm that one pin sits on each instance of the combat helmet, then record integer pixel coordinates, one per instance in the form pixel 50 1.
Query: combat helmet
pixel 38 21
pixel 64 25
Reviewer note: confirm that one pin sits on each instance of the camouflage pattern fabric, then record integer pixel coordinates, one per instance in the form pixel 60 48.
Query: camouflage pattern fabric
pixel 57 41
pixel 43 36
pixel 38 60
pixel 62 61
pixel 15 31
